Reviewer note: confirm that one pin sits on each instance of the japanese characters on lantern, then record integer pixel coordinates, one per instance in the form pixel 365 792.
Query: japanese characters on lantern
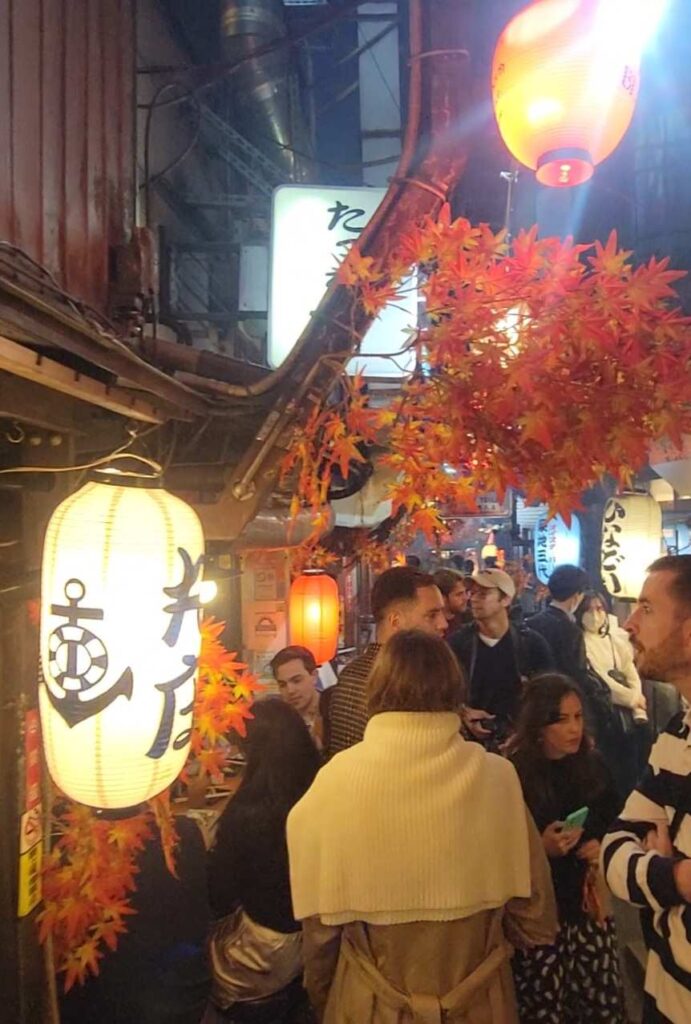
pixel 631 538
pixel 120 639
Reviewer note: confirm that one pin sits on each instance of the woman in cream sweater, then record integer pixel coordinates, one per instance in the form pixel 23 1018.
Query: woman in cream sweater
pixel 414 864
pixel 626 745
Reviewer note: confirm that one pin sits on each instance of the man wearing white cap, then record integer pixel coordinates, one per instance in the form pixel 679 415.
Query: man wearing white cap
pixel 497 657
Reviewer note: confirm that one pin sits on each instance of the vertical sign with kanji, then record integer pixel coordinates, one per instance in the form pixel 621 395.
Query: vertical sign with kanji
pixel 631 540
pixel 31 826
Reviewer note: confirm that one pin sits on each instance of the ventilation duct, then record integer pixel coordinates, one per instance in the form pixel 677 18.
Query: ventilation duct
pixel 264 90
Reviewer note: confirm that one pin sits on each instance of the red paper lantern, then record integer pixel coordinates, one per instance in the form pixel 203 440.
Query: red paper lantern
pixel 313 614
pixel 565 79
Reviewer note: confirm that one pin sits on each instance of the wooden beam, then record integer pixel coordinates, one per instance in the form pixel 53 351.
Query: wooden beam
pixel 41 322
pixel 27 402
pixel 29 365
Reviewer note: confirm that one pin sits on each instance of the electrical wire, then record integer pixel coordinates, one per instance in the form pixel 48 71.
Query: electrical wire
pixel 118 453
pixel 373 57
pixel 151 179
pixel 185 152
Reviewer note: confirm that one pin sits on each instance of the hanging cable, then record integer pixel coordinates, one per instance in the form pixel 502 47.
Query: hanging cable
pixel 119 453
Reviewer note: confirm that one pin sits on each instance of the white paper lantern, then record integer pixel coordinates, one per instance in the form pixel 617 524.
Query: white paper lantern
pixel 631 537
pixel 122 567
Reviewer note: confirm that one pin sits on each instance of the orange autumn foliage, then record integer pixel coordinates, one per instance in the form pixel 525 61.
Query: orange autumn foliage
pixel 541 367
pixel 91 870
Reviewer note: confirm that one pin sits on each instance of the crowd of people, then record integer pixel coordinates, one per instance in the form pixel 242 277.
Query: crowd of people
pixel 435 837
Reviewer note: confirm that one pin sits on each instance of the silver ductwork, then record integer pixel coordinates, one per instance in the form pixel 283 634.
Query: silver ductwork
pixel 263 89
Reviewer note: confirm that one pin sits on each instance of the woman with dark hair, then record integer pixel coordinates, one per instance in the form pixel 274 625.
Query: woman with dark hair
pixel 570 793
pixel 413 861
pixel 625 744
pixel 256 949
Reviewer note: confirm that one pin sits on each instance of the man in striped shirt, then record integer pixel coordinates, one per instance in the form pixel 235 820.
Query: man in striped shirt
pixel 646 854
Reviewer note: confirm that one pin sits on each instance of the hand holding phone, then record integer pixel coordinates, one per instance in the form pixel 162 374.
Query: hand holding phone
pixel 576 819
pixel 558 841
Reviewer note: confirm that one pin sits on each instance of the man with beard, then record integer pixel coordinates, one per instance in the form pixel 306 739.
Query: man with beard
pixel 646 854
pixel 451 583
pixel 402 598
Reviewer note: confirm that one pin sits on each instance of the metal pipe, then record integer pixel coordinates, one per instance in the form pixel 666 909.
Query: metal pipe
pixel 261 88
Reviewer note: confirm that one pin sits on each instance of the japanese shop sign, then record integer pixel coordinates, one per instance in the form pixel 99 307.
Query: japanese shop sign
pixel 312 229
pixel 556 544
pixel 32 759
pixel 31 825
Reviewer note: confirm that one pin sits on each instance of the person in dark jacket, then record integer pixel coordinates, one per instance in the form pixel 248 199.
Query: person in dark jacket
pixel 575 980
pixel 159 971
pixel 498 658
pixel 557 623
pixel 256 945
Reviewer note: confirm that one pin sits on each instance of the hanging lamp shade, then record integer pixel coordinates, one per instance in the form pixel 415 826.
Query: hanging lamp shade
pixel 631 540
pixel 120 596
pixel 313 614
pixel 565 78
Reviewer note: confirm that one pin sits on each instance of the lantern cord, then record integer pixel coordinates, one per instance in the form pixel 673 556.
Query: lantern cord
pixel 119 453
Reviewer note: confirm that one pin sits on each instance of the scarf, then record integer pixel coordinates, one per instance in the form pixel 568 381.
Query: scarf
pixel 412 824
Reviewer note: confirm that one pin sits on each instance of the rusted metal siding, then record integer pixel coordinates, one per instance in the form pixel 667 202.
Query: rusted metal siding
pixel 66 135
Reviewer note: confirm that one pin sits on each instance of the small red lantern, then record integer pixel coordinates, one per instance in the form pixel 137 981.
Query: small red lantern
pixel 565 79
pixel 313 614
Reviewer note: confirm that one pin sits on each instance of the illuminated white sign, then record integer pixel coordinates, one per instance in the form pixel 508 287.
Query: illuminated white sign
pixel 312 229
pixel 556 544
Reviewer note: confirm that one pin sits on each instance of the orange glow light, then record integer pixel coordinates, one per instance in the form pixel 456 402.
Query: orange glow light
pixel 313 614
pixel 564 90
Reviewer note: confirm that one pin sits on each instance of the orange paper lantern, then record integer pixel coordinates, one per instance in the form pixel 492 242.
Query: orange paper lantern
pixel 313 614
pixel 565 79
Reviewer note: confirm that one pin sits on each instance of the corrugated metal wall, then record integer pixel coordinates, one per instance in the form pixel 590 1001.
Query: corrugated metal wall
pixel 66 135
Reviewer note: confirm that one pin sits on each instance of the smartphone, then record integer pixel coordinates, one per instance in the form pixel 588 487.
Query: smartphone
pixel 576 819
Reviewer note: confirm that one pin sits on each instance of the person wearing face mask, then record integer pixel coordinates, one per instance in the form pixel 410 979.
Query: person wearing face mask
pixel 610 657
